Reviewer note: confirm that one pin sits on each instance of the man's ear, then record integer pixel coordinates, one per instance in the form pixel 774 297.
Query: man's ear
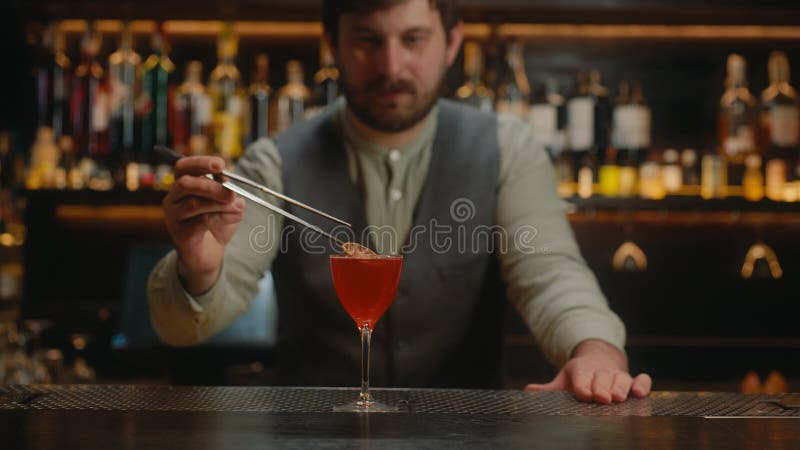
pixel 454 43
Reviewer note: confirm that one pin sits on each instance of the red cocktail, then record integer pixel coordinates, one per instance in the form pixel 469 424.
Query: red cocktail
pixel 365 286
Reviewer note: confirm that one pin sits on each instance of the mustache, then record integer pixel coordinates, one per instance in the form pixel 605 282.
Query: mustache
pixel 395 86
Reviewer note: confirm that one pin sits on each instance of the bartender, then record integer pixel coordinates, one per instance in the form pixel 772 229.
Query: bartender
pixel 468 197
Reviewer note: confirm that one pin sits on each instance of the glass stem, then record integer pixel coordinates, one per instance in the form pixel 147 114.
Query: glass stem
pixel 366 335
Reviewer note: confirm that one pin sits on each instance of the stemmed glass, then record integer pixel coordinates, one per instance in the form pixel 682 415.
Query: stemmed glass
pixel 365 285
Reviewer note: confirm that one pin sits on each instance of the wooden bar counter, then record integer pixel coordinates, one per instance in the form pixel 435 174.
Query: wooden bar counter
pixel 132 417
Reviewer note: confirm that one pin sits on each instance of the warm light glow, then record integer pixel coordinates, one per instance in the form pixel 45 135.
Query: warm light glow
pixel 758 252
pixel 629 257
pixel 203 28
pixel 532 31
pixel 108 26
pixel 478 30
pixel 279 29
pixel 109 215
pixel 7 240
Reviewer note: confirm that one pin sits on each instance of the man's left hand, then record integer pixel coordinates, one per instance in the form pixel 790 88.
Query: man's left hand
pixel 597 372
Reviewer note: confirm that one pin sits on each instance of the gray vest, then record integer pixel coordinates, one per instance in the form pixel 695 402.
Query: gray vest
pixel 444 326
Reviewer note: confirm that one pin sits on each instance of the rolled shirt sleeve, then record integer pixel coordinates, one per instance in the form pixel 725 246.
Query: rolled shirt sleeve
pixel 547 279
pixel 181 319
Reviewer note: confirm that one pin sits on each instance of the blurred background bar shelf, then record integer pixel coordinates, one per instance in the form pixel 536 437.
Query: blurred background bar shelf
pixel 685 200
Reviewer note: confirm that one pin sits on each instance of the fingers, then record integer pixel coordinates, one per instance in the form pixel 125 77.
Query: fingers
pixel 200 187
pixel 601 386
pixel 559 383
pixel 198 165
pixel 192 206
pixel 581 381
pixel 222 219
pixel 642 385
pixel 621 387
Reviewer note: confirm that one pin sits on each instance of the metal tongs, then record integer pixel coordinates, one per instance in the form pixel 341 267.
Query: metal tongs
pixel 174 156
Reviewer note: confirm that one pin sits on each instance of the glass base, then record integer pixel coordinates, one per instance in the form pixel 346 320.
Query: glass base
pixel 371 406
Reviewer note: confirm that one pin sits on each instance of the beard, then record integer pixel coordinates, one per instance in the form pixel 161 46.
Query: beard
pixel 371 105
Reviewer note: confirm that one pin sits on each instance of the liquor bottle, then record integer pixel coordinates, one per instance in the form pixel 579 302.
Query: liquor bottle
pixel 326 82
pixel 565 174
pixel 623 99
pixel 43 165
pixel 154 103
pixel 260 95
pixel 43 62
pixel 588 119
pixel 671 171
pixel 89 102
pixel 602 114
pixel 54 83
pixel 548 116
pixel 7 178
pixel 628 175
pixel 631 123
pixel 514 91
pixel 193 113
pixel 737 119
pixel 780 126
pixel 580 119
pixel 122 84
pixel 609 175
pixel 624 118
pixel 292 98
pixel 226 97
pixel 587 174
pixel 753 181
pixel 651 181
pixel 474 92
pixel 691 176
pixel 713 176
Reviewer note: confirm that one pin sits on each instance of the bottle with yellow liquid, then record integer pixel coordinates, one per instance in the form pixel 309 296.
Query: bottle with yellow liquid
pixel 713 177
pixel 628 176
pixel 651 184
pixel 753 181
pixel 226 98
pixel 671 171
pixel 609 175
pixel 587 174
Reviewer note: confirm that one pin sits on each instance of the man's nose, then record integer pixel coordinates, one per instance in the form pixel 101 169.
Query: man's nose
pixel 391 58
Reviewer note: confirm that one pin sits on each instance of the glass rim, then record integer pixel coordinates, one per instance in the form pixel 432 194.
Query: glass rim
pixel 366 257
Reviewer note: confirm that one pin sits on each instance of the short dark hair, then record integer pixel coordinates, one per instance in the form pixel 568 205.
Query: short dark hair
pixel 332 10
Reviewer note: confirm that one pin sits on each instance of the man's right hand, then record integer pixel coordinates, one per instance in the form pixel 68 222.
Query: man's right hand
pixel 201 217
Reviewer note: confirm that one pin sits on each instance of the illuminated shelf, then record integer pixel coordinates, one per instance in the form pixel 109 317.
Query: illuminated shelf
pixel 684 203
pixel 525 31
pixel 657 32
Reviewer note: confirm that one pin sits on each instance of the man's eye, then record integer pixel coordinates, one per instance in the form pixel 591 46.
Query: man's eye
pixel 412 40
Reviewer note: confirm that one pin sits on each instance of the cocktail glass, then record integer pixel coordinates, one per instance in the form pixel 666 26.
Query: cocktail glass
pixel 365 286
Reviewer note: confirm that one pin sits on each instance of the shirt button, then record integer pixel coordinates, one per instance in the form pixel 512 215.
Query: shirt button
pixel 395 194
pixel 394 155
